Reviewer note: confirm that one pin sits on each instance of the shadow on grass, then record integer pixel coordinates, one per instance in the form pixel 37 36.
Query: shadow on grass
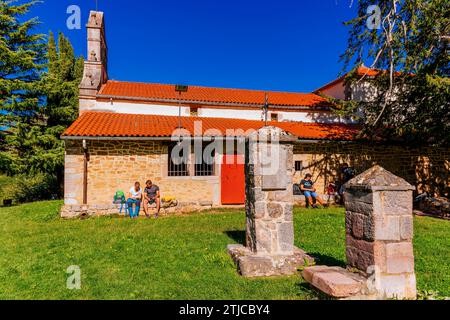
pixel 236 235
pixel 313 292
pixel 324 259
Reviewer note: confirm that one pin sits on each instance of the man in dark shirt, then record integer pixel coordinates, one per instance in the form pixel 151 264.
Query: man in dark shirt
pixel 348 173
pixel 307 186
pixel 151 195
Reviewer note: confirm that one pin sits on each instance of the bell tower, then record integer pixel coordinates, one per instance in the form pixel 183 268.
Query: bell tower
pixel 95 72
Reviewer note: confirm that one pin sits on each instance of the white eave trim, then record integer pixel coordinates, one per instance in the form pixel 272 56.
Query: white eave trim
pixel 206 103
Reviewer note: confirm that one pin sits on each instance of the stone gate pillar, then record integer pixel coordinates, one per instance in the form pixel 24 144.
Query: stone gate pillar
pixel 269 202
pixel 379 232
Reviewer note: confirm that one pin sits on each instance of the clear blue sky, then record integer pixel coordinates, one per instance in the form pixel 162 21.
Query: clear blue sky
pixel 266 44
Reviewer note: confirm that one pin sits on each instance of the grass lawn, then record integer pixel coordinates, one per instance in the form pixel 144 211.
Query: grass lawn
pixel 180 257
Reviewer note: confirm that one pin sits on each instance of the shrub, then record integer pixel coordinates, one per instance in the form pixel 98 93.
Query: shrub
pixel 24 188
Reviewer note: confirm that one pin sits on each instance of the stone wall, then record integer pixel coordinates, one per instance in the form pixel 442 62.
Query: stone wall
pixel 426 168
pixel 115 165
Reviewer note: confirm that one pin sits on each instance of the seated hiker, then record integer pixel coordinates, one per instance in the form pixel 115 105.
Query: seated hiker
pixel 151 196
pixel 347 174
pixel 119 198
pixel 134 197
pixel 307 186
pixel 331 191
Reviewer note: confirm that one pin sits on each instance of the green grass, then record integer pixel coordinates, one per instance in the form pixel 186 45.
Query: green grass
pixel 180 257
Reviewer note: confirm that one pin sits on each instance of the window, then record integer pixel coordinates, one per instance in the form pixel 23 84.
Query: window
pixel 194 112
pixel 298 166
pixel 274 116
pixel 204 161
pixel 178 162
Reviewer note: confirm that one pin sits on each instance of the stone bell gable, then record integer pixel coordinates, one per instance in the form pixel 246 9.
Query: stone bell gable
pixel 95 72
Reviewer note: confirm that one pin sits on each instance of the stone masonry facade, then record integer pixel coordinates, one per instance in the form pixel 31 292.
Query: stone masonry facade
pixel 428 169
pixel 116 165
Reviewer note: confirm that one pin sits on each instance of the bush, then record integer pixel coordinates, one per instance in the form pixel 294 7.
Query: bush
pixel 23 188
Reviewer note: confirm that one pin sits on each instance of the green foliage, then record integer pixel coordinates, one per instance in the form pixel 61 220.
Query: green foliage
pixel 4 183
pixel 25 188
pixel 430 295
pixel 61 84
pixel 39 96
pixel 22 60
pixel 412 100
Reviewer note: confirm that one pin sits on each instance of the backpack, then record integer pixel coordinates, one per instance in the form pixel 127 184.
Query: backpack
pixel 119 196
pixel 297 190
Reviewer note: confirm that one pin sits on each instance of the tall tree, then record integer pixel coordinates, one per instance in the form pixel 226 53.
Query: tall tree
pixel 39 97
pixel 22 58
pixel 408 41
pixel 60 85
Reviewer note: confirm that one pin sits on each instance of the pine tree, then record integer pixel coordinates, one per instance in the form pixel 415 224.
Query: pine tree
pixel 22 57
pixel 60 86
pixel 39 98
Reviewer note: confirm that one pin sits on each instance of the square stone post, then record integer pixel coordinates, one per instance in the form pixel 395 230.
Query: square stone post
pixel 269 207
pixel 379 232
pixel 269 194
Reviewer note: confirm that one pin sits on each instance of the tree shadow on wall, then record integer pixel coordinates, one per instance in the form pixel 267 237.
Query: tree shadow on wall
pixel 237 235
pixel 433 174
pixel 326 159
pixel 426 168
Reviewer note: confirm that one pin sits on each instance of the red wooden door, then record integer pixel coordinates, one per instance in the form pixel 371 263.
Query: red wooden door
pixel 232 179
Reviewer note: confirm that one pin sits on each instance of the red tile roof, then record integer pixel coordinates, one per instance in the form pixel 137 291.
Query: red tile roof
pixel 365 71
pixel 362 71
pixel 107 124
pixel 205 95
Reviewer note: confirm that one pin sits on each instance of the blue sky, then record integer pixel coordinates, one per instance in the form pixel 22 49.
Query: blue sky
pixel 270 45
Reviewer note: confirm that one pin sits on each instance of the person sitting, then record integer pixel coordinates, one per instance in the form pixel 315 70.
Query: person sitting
pixel 134 197
pixel 307 186
pixel 151 196
pixel 347 173
pixel 331 192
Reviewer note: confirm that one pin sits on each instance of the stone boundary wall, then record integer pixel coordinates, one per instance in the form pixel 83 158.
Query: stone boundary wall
pixel 79 211
pixel 427 168
pixel 117 165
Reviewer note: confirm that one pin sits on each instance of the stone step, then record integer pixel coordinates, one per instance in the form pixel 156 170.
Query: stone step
pixel 335 281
